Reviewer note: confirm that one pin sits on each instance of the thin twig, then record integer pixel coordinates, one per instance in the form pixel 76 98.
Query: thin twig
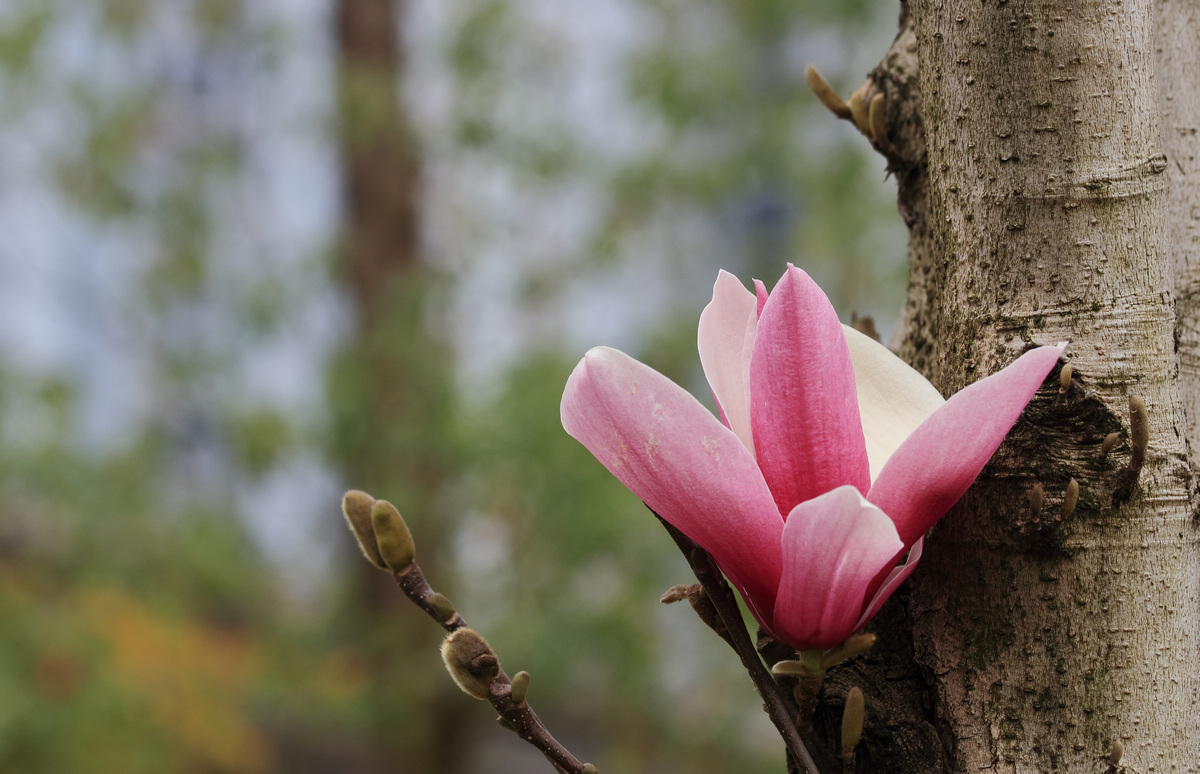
pixel 519 717
pixel 779 706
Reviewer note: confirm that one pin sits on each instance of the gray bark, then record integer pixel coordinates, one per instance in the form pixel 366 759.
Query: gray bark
pixel 1179 99
pixel 1050 182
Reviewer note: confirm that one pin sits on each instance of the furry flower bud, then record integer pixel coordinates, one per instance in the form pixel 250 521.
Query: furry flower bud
pixel 356 507
pixel 395 542
pixel 470 661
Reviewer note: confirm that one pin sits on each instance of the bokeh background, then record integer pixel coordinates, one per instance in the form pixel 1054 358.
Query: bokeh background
pixel 255 253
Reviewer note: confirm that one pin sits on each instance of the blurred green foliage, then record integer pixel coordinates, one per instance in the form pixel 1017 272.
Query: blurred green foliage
pixel 143 628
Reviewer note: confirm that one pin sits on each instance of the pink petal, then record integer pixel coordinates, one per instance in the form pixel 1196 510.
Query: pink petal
pixel 808 437
pixel 892 582
pixel 726 339
pixel 685 465
pixel 833 548
pixel 942 458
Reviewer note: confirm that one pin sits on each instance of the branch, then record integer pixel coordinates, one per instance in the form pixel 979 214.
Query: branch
pixel 517 716
pixel 778 705
pixel 386 543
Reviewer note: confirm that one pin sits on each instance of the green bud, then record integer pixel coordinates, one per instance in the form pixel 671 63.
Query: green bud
pixel 1037 496
pixel 356 507
pixel 877 118
pixel 829 98
pixel 1070 500
pixel 852 720
pixel 858 110
pixel 1107 445
pixel 796 669
pixel 442 608
pixel 520 687
pixel 395 542
pixel 589 769
pixel 853 646
pixel 809 674
pixel 1064 378
pixel 470 661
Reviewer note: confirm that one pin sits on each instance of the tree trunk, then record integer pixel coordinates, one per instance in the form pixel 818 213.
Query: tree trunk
pixel 1179 97
pixel 391 387
pixel 1039 199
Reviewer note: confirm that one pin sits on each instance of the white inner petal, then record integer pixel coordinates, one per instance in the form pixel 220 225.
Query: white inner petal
pixel 893 398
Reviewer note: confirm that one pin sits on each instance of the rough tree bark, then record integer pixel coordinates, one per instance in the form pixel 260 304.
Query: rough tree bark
pixel 1046 156
pixel 1179 99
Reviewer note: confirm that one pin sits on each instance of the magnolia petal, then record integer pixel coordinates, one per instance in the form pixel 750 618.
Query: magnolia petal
pixel 892 582
pixel 942 458
pixel 893 398
pixel 725 340
pixel 834 547
pixel 808 437
pixel 684 464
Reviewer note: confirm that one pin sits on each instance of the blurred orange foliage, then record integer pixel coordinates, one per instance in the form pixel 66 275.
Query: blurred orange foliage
pixel 195 676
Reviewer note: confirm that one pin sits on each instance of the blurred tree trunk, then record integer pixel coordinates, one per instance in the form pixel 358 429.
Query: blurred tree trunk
pixel 1029 144
pixel 392 387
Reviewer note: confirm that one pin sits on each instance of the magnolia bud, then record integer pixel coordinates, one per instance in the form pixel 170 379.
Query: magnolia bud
pixel 858 112
pixel 356 507
pixel 853 646
pixel 1064 378
pixel 1107 445
pixel 1139 433
pixel 852 720
pixel 470 661
pixel 520 687
pixel 829 98
pixel 589 769
pixel 395 542
pixel 1070 500
pixel 797 669
pixel 877 117
pixel 1037 495
pixel 679 592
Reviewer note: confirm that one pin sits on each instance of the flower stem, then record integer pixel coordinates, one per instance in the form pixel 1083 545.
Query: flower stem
pixel 779 706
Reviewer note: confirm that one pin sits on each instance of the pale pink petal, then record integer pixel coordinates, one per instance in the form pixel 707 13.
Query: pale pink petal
pixel 808 437
pixel 942 458
pixel 893 399
pixel 761 291
pixel 684 464
pixel 892 582
pixel 834 547
pixel 725 340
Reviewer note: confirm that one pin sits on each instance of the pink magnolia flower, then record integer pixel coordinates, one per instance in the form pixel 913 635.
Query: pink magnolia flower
pixel 829 462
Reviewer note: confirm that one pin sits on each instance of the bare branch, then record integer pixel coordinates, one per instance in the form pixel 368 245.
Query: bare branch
pixel 517 716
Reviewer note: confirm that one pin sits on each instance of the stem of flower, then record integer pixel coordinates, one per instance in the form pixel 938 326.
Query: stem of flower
pixel 779 706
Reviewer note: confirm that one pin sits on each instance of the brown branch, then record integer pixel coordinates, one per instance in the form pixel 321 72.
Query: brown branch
pixel 518 717
pixel 778 705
